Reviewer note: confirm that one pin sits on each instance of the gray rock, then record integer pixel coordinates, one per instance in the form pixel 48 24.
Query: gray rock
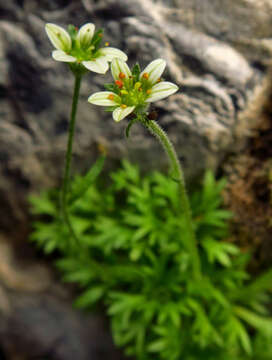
pixel 216 51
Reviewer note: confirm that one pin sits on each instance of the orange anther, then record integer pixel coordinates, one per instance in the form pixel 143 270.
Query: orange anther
pixel 146 76
pixel 148 91
pixel 111 97
pixel 140 89
pixel 122 75
pixel 100 35
pixel 159 80
pixel 119 83
pixel 123 106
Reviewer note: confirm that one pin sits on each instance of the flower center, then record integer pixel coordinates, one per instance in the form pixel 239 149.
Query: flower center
pixel 131 91
pixel 133 94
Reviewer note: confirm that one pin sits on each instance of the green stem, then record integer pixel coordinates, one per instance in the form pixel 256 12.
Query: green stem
pixel 65 186
pixel 157 131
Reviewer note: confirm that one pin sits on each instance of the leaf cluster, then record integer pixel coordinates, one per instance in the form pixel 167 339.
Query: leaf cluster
pixel 134 258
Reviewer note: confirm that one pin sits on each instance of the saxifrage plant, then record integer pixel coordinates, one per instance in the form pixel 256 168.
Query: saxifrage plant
pixel 173 289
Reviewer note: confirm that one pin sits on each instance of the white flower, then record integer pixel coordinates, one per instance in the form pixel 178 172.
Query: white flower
pixel 132 91
pixel 82 49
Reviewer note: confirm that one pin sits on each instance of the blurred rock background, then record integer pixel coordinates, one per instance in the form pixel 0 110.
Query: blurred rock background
pixel 218 52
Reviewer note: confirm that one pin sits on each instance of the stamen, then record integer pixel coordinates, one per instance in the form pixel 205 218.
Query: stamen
pixel 159 80
pixel 122 75
pixel 123 106
pixel 140 89
pixel 107 43
pixel 100 35
pixel 119 83
pixel 111 97
pixel 146 76
pixel 148 91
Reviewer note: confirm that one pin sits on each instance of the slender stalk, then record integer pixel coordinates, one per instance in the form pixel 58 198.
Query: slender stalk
pixel 158 132
pixel 66 178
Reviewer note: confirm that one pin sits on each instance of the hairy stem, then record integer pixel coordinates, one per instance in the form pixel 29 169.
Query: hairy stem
pixel 66 179
pixel 157 131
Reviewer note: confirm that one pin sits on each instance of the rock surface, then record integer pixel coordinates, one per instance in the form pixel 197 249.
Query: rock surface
pixel 37 320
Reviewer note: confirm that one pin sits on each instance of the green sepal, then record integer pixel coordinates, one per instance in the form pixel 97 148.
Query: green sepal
pixel 97 38
pixel 77 69
pixel 110 87
pixel 72 31
pixel 136 70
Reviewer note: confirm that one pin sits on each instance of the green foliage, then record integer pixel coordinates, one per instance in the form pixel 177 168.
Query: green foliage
pixel 134 257
pixel 82 184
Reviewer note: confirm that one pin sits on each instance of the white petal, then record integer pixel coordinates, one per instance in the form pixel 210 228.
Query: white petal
pixel 98 65
pixel 154 70
pixel 102 99
pixel 118 66
pixel 112 53
pixel 162 90
pixel 58 37
pixel 120 113
pixel 60 55
pixel 85 35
